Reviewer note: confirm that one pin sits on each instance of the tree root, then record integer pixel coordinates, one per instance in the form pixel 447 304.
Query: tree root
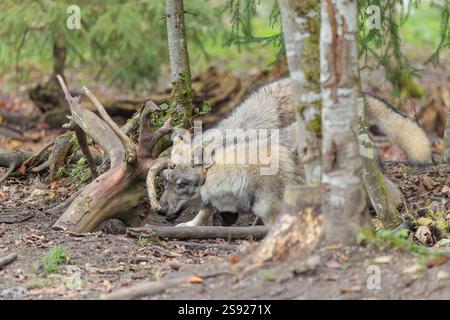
pixel 12 160
pixel 121 188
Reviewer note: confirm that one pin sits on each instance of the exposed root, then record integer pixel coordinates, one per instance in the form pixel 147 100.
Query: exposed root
pixel 8 173
pixel 84 146
pixel 12 160
pixel 128 144
pixel 155 169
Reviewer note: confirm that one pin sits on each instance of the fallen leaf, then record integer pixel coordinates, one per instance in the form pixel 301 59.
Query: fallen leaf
pixel 354 288
pixel 383 259
pixel 413 269
pixel 195 279
pixel 235 259
pixel 333 264
pixel 423 234
pixel 437 261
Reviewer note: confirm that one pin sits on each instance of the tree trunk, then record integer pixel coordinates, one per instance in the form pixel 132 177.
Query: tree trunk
pixel 299 224
pixel 179 63
pixel 344 199
pixel 301 29
pixel 297 228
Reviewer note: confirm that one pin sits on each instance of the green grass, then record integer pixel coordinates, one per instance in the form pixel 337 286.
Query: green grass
pixel 55 257
pixel 422 27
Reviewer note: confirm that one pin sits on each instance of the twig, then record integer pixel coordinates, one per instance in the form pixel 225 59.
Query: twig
pixel 11 169
pixel 63 205
pixel 201 245
pixel 7 260
pixel 84 146
pixel 128 144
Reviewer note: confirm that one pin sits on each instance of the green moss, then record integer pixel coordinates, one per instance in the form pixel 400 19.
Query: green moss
pixel 315 125
pixel 302 8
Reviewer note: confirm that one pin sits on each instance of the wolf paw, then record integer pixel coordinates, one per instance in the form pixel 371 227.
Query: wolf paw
pixel 187 224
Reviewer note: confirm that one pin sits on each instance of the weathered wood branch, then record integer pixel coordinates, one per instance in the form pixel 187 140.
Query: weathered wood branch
pixel 128 144
pixel 11 160
pixel 200 232
pixel 159 165
pixel 147 143
pixel 4 261
pixel 84 146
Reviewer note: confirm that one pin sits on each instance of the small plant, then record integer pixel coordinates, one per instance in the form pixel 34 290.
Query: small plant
pixel 80 171
pixel 204 108
pixel 394 239
pixel 56 256
pixel 61 172
pixel 267 276
pixel 142 242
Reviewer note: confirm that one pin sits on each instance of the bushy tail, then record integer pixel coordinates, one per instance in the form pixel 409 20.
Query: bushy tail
pixel 401 130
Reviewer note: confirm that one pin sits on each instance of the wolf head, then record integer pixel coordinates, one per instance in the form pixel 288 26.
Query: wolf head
pixel 181 189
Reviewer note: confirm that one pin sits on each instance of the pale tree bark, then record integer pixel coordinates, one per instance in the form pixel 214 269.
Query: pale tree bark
pixel 301 30
pixel 344 198
pixel 299 225
pixel 179 61
pixel 383 193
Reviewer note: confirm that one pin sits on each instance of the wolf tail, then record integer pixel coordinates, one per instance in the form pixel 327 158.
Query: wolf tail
pixel 401 130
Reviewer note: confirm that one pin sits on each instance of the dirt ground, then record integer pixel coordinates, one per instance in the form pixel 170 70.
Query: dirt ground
pixel 99 263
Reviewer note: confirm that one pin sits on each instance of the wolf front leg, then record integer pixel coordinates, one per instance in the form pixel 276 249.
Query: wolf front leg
pixel 200 219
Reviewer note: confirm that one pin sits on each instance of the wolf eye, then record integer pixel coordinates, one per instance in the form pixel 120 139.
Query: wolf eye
pixel 181 184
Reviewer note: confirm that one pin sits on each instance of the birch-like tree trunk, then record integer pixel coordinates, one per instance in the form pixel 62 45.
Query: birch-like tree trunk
pixel 299 225
pixel 179 62
pixel 301 30
pixel 344 198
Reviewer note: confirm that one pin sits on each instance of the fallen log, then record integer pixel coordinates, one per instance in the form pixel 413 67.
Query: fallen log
pixel 199 232
pixel 7 260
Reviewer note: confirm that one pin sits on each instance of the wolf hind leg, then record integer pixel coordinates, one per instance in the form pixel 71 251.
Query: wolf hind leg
pixel 200 219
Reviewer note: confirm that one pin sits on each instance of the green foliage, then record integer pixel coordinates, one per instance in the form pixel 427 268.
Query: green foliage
pixel 142 242
pixel 204 108
pixel 383 45
pixel 393 239
pixel 125 41
pixel 81 170
pixel 56 256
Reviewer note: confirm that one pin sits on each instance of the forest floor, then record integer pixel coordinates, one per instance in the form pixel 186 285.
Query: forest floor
pixel 52 264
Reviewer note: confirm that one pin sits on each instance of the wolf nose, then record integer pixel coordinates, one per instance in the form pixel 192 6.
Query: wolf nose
pixel 161 211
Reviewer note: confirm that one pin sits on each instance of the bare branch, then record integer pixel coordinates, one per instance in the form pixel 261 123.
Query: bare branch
pixel 129 145
pixel 7 260
pixel 84 146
